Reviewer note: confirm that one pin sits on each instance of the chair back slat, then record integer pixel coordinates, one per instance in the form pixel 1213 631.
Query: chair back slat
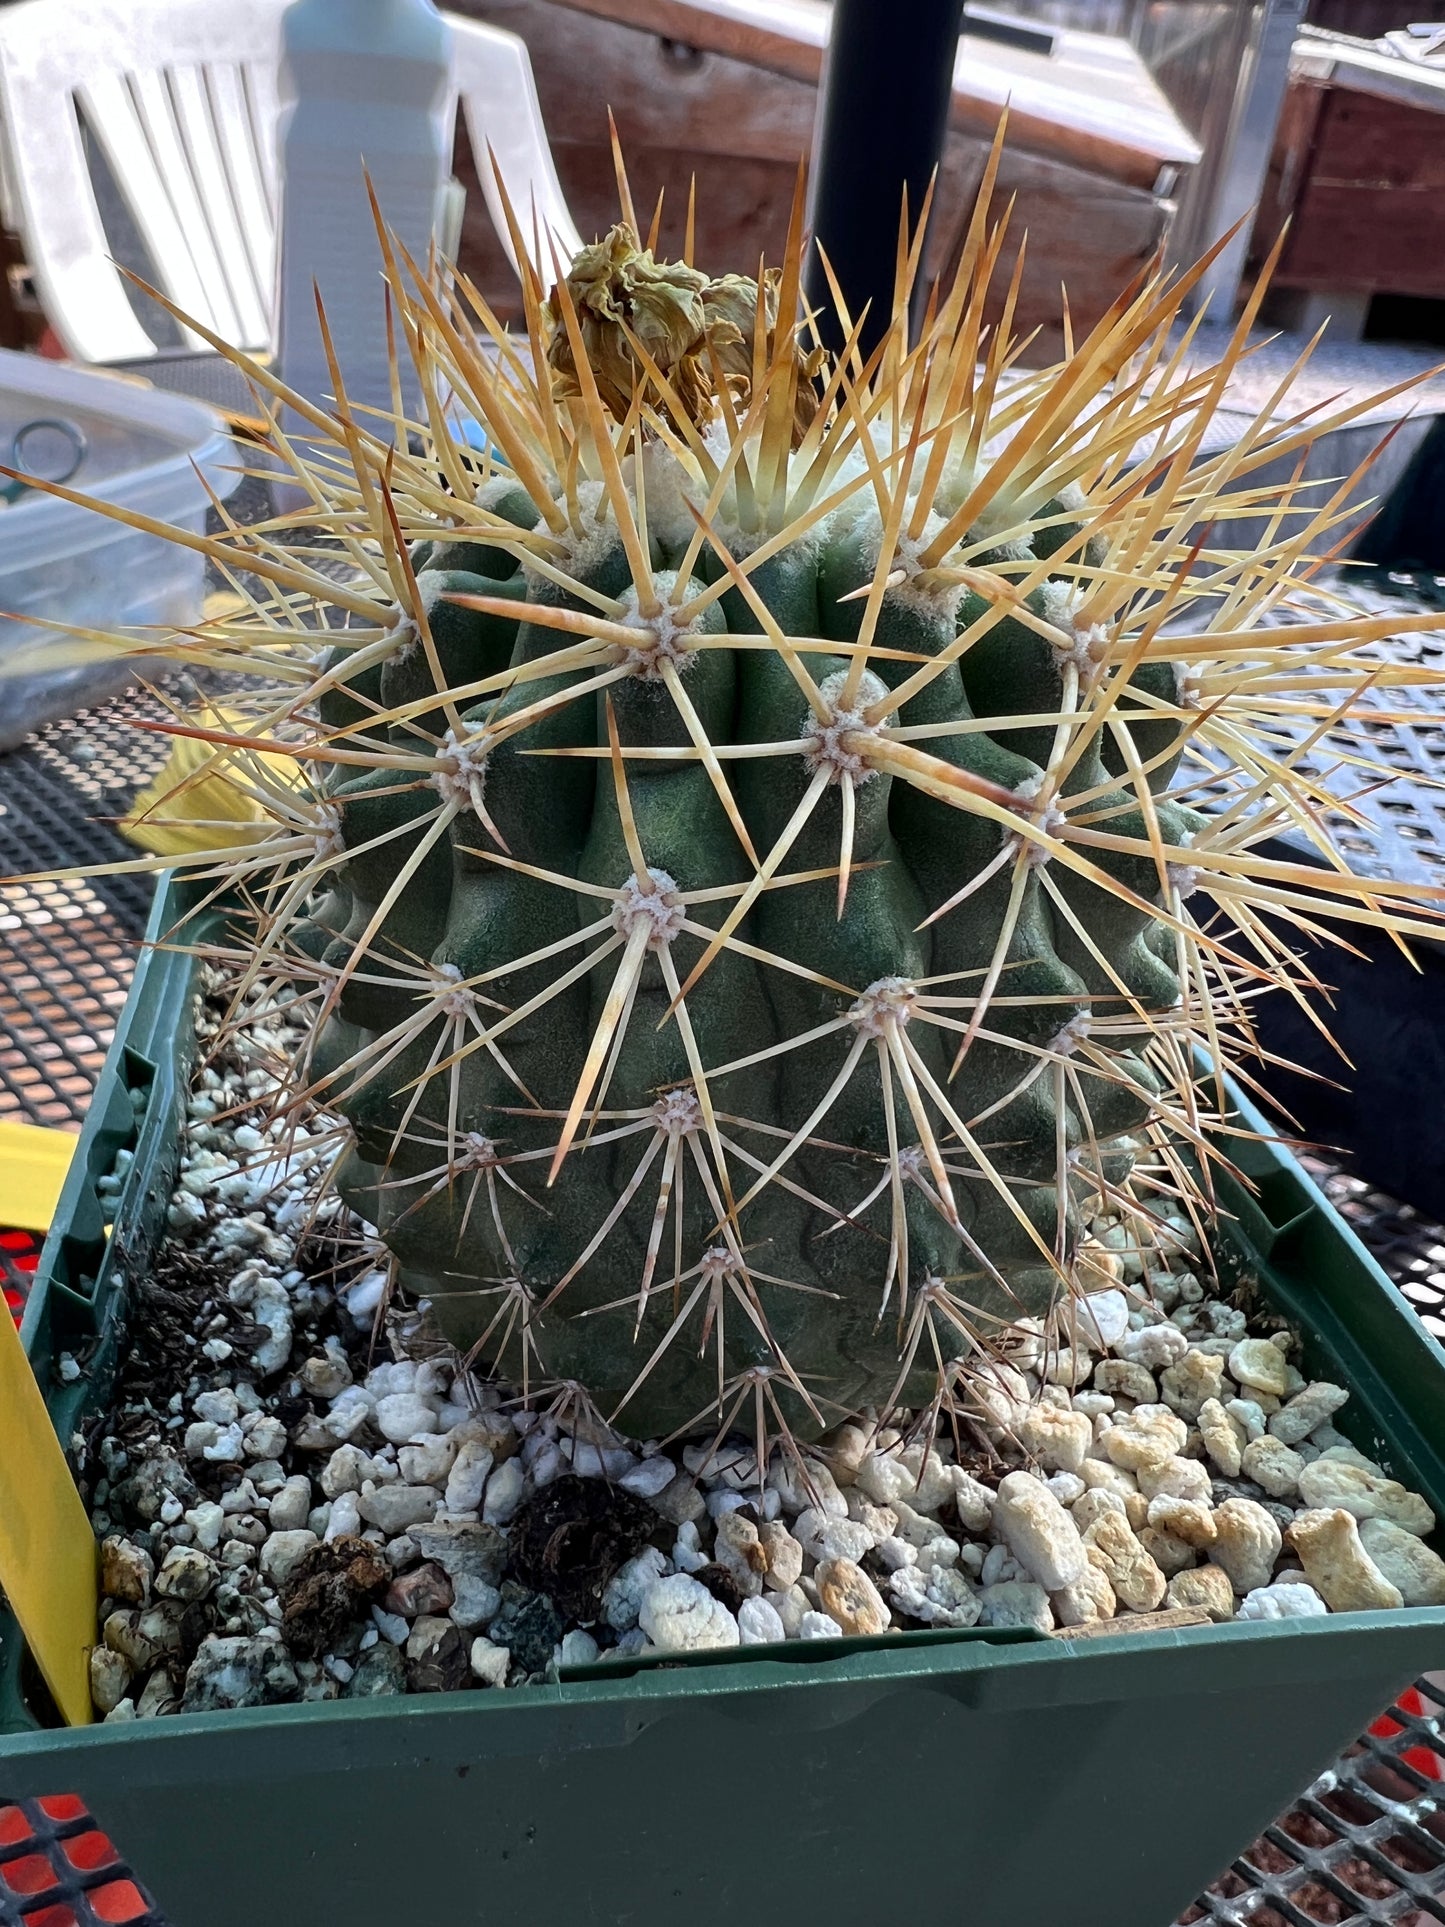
pixel 181 99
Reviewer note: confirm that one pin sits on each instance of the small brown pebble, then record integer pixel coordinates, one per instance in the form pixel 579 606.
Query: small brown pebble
pixel 437 1657
pixel 424 1590
pixel 847 1594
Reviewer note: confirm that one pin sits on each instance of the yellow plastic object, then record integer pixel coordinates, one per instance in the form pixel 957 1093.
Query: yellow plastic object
pixel 33 1164
pixel 211 793
pixel 47 1549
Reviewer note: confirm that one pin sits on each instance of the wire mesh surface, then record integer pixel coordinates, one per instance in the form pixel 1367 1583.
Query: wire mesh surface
pixel 67 948
pixel 57 1869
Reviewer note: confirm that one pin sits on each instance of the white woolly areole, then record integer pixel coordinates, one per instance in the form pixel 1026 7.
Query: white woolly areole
pixel 1049 817
pixel 326 833
pixel 669 639
pixel 1067 1040
pixel 912 1163
pixel 918 589
pixel 886 1004
pixel 453 998
pixel 1184 878
pixel 1087 643
pixel 477 1150
pixel 403 633
pixel 659 907
pixel 586 541
pixel 678 1113
pixel 841 745
pixel 459 774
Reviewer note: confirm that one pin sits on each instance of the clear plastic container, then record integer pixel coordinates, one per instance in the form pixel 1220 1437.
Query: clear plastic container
pixel 123 442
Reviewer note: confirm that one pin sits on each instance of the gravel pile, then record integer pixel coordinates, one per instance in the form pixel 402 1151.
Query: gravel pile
pixel 295 1508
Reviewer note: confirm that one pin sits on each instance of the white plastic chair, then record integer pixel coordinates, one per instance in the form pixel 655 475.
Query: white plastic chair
pixel 180 97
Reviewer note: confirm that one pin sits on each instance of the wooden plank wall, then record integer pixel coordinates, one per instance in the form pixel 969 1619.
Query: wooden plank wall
pixel 741 132
pixel 1362 180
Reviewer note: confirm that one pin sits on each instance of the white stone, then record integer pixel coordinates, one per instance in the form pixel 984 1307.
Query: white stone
pixel 687 1552
pixel 790 1607
pixel 393 1508
pixel 939 1596
pixel 1222 1436
pixel 1176 1478
pixel 1282 1600
pixel 1249 1415
pixel 622 1600
pixel 759 1623
pixel 186 1573
pixel 1088 1599
pixel 1154 1347
pixel 1060 1441
pixel 1149 1435
pixel 1136 1577
pixel 505 1490
pixel 391 1626
pixel 816 1625
pixel 1259 1364
pixel 265 1436
pixel 475 1602
pixel 1337 1564
pixel 578 1648
pixel 403 1416
pixel 810 1485
pixel 680 1615
pixel 1103 1318
pixel 429 1463
pixel 1247 1542
pixel 228 1447
pixel 973 1500
pixel 345 1519
pixel 282 1552
pixel 1038 1531
pixel 920 1480
pixel 648 1477
pixel 218 1406
pixel 350 1414
pixel 1274 1465
pixel 291 1506
pixel 1125 1378
pixel 489 1663
pixel 1016 1602
pixel 739 1551
pixel 206 1519
pixel 1307 1410
pixel 391 1377
pixel 467 1480
pixel 823 1537
pixel 1330 1481
pixel 1407 1563
pixel 1186 1386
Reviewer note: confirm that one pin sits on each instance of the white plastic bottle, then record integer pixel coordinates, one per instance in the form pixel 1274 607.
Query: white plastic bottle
pixel 366 89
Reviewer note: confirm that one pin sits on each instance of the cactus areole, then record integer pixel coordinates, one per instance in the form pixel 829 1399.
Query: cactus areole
pixel 748 870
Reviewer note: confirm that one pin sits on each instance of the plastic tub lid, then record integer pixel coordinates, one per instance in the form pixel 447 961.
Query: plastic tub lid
pixel 180 445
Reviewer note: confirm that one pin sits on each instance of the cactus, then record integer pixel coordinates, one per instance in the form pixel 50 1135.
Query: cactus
pixel 755 872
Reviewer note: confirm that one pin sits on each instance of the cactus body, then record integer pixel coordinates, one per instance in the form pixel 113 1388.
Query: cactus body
pixel 747 880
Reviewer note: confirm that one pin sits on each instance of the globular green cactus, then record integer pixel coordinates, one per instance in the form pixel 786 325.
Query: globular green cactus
pixel 757 810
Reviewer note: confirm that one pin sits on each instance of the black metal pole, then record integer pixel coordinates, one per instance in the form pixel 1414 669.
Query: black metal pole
pixel 882 118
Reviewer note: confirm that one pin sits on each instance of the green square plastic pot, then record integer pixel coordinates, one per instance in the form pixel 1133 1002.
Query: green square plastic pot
pixel 984 1778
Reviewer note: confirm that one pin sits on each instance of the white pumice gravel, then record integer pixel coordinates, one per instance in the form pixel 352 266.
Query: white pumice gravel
pixel 1160 1447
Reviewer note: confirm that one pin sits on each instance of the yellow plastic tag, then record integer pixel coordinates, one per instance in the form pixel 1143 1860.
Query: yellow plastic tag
pixel 33 1164
pixel 47 1550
